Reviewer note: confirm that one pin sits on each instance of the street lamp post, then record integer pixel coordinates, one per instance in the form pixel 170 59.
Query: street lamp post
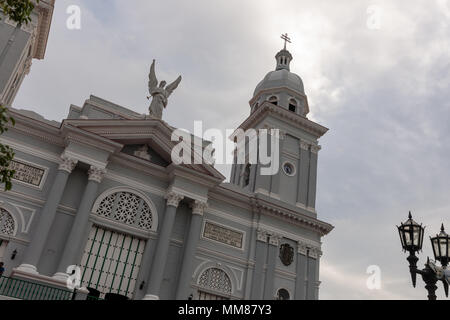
pixel 411 237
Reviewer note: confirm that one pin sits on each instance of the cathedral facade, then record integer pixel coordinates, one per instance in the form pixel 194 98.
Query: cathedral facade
pixel 99 191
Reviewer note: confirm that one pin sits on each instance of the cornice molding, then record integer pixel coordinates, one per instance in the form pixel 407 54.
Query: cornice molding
pixel 290 216
pixel 75 134
pixel 45 13
pixel 267 108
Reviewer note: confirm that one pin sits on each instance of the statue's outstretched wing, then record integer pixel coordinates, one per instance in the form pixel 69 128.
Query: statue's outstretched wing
pixel 171 87
pixel 152 81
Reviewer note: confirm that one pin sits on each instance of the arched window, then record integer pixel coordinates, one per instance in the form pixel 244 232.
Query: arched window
pixel 292 105
pixel 128 208
pixel 274 100
pixel 283 294
pixel 7 224
pixel 214 279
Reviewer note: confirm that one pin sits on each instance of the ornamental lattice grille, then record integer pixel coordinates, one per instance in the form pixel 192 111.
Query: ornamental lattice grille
pixel 7 224
pixel 215 279
pixel 127 208
pixel 111 262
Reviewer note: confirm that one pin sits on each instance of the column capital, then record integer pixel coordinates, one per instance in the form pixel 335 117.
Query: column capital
pixel 67 163
pixel 96 174
pixel 173 199
pixel 315 253
pixel 304 144
pixel 198 207
pixel 315 148
pixel 261 235
pixel 302 248
pixel 274 239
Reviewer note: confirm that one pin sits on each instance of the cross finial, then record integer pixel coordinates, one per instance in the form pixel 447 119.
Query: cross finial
pixel 286 39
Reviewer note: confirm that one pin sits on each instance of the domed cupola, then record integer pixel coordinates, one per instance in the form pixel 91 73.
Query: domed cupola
pixel 281 86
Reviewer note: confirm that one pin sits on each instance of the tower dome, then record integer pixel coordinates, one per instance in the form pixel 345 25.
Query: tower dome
pixel 281 87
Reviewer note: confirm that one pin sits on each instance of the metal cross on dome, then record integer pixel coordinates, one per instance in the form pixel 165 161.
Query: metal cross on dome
pixel 286 39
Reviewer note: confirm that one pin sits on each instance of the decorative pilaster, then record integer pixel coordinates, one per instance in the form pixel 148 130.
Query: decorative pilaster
pixel 162 247
pixel 311 203
pixel 73 245
pixel 274 241
pixel 47 215
pixel 190 247
pixel 301 270
pixel 260 260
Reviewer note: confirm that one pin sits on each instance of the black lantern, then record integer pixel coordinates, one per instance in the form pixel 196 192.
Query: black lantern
pixel 411 235
pixel 13 255
pixel 441 247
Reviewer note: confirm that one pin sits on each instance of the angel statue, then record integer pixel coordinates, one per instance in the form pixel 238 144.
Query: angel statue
pixel 159 93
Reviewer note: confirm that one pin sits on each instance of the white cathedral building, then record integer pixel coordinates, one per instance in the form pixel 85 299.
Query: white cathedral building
pixel 99 190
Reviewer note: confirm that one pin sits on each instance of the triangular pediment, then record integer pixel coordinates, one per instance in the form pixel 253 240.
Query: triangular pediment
pixel 135 134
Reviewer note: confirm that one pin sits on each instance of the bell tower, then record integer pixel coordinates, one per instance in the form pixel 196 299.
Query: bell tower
pixel 279 102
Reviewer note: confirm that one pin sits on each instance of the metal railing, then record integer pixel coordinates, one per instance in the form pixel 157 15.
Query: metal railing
pixel 25 290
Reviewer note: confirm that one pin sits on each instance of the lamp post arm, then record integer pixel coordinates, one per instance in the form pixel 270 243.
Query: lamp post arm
pixel 412 259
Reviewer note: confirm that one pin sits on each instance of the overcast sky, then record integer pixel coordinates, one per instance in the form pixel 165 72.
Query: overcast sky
pixel 377 73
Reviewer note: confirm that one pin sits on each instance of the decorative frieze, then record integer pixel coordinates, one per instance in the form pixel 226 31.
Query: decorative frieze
pixel 223 234
pixel 96 174
pixel 67 163
pixel 173 199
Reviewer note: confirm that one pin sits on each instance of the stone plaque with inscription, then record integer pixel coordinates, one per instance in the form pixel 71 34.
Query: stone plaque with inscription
pixel 26 173
pixel 224 235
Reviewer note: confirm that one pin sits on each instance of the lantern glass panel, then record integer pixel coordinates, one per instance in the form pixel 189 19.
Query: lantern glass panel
pixel 407 232
pixel 435 243
pixel 416 236
pixel 443 250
